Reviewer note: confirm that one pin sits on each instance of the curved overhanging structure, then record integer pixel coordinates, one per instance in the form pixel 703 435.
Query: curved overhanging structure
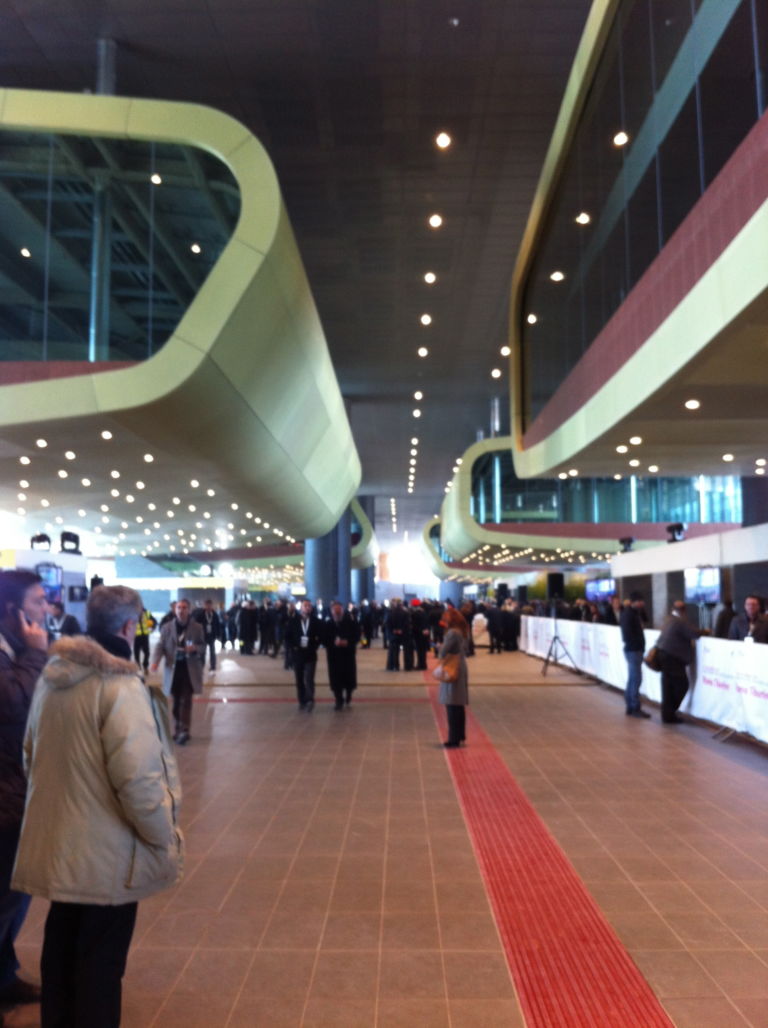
pixel 243 394
pixel 365 552
pixel 447 573
pixel 692 327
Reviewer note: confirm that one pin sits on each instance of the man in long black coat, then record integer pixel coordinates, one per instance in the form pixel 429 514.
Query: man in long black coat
pixel 341 634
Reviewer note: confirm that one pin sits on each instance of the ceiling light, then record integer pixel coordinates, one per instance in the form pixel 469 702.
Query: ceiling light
pixel 430 278
pixel 759 471
pixel 426 319
pixel 531 319
pixel 417 413
pixel 618 479
pixel 496 373
pixel 572 472
pixel 45 503
pixel 70 455
pixel 634 463
pixel 196 248
pixel 692 404
pixel 557 276
pixel 418 395
pixel 423 351
pixel 42 443
pixel 85 481
pixel 155 179
pixel 760 462
pixel 21 496
pixel 194 483
pixel 635 440
pixel 563 474
pixel 583 218
pixel 443 140
pixel 114 474
pixel 148 458
pixel 151 506
pixel 435 221
pixel 25 252
pixel 622 448
pixel 653 468
pixel 505 351
pixel 62 473
pixel 24 460
pixel 727 457
pixel 620 139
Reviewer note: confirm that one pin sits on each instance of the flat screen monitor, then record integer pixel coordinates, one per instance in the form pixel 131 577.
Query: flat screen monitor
pixel 600 589
pixel 51 575
pixel 702 585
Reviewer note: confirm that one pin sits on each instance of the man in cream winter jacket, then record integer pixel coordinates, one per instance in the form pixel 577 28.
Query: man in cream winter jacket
pixel 100 827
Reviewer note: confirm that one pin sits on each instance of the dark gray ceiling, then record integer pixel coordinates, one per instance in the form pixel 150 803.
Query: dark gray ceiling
pixel 347 96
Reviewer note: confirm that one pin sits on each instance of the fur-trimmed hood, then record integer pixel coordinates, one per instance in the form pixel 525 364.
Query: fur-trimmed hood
pixel 74 658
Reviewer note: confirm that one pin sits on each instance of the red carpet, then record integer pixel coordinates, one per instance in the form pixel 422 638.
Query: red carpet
pixel 569 967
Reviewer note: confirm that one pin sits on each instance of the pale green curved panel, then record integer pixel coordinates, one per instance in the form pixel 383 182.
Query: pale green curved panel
pixel 245 385
pixel 440 569
pixel 365 552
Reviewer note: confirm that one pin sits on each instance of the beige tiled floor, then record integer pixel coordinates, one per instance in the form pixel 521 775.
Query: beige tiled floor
pixel 331 879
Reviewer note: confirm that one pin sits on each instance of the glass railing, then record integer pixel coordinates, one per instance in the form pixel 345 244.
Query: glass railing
pixel 685 81
pixel 499 497
pixel 104 243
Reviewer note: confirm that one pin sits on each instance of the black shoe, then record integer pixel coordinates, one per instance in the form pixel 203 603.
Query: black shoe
pixel 310 706
pixel 19 991
pixel 302 706
pixel 182 738
pixel 451 745
pixel 674 720
pixel 638 713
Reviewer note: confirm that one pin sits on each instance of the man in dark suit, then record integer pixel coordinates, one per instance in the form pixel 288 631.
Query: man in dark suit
pixel 304 634
pixel 209 619
pixel 341 634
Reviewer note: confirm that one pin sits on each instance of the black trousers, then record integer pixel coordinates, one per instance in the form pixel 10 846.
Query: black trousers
pixel 181 691
pixel 84 953
pixel 141 650
pixel 456 714
pixel 210 647
pixel 674 685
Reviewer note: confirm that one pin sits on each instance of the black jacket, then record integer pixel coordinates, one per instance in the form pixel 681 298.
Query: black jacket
pixel 631 625
pixel 294 634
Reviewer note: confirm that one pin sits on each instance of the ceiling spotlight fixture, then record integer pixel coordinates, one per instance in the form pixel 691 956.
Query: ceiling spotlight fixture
pixel 417 413
pixel 572 472
pixel 653 468
pixel 426 319
pixel 114 474
pixel 634 463
pixel 622 448
pixel 148 458
pixel 430 278
pixel 70 454
pixel 583 218
pixel 728 457
pixel 505 351
pixel 25 252
pixel 423 351
pixel 692 404
pixel 620 139
pixel 414 441
pixel 41 443
pixel 760 462
pixel 443 140
pixel 435 220
pixel 531 319
pixel 156 179
pixel 24 460
pixel 635 440
pixel 496 373
pixel 196 248
pixel 563 474
pixel 418 395
pixel 557 276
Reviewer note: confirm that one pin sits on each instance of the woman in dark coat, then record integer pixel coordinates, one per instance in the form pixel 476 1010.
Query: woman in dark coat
pixel 455 695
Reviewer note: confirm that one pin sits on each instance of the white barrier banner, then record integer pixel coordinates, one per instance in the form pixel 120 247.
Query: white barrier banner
pixel 731 684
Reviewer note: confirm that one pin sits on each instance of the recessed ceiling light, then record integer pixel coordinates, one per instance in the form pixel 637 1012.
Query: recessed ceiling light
pixel 557 276
pixel 531 319
pixel 728 457
pixel 148 458
pixel 25 252
pixel 635 440
pixel 572 472
pixel 505 351
pixel 426 319
pixel 759 471
pixel 194 483
pixel 634 463
pixel 45 503
pixel 653 468
pixel 692 404
pixel 618 479
pixel 196 248
pixel 114 474
pixel 24 460
pixel 583 218
pixel 42 443
pixel 62 473
pixel 430 278
pixel 417 413
pixel 496 373
pixel 106 434
pixel 443 140
pixel 21 496
pixel 423 351
pixel 760 462
pixel 620 139
pixel 435 220
pixel 622 448
pixel 414 441
pixel 563 474
pixel 70 455
pixel 85 481
pixel 156 179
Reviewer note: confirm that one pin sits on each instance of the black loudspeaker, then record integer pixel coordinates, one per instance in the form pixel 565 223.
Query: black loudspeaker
pixel 522 594
pixel 555 585
pixel 96 582
pixel 502 593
